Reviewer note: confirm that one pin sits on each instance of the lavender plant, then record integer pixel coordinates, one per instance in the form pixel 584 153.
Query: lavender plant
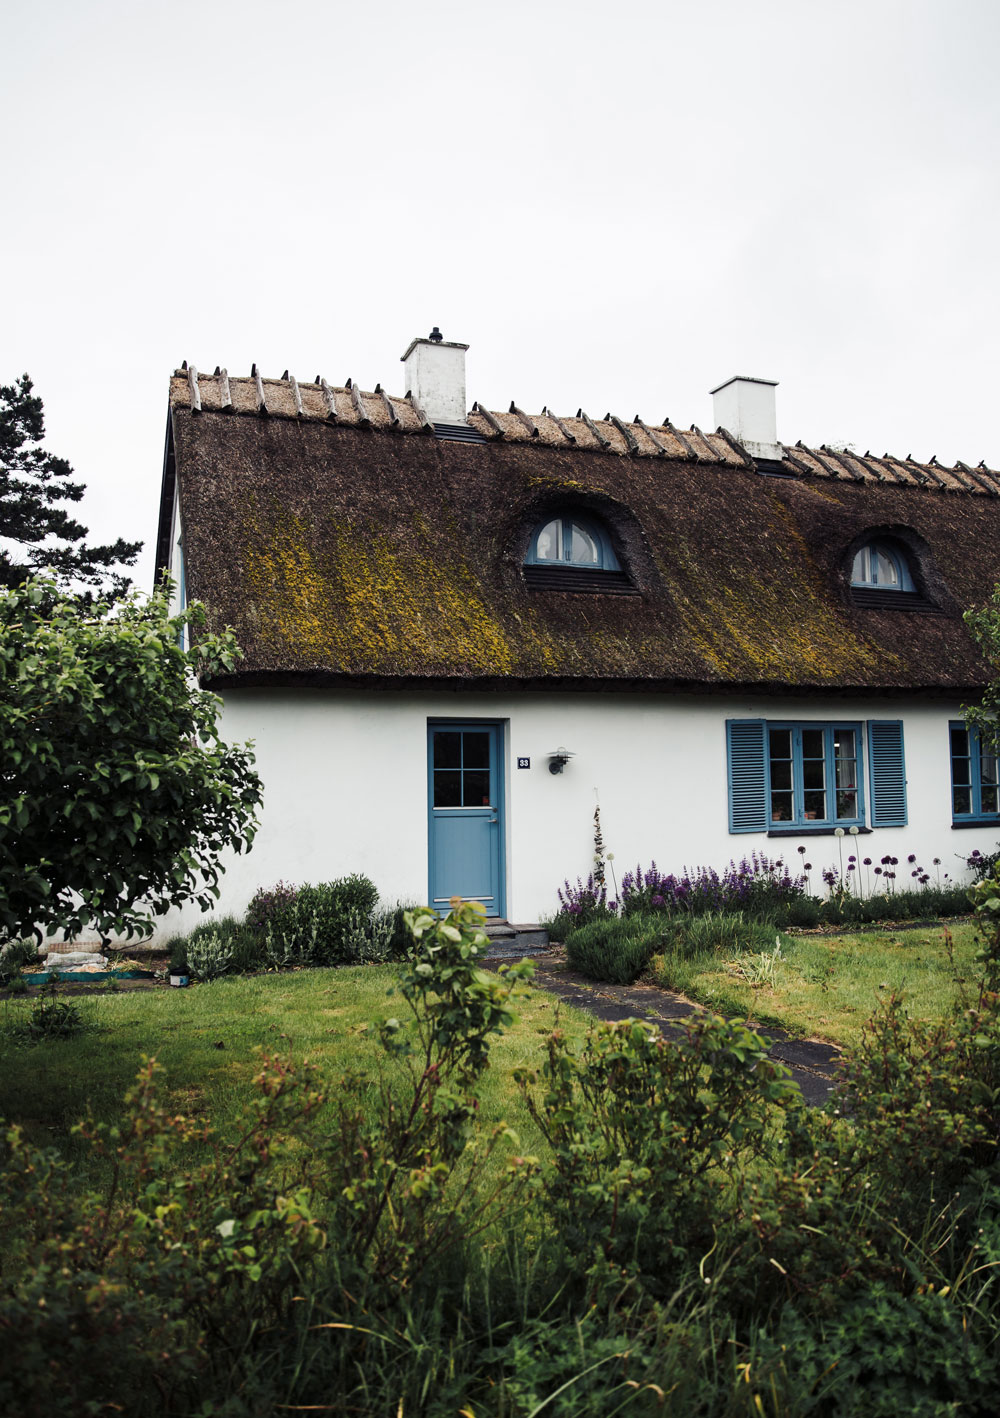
pixel 758 886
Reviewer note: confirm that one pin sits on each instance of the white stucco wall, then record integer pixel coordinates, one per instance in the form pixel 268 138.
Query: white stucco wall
pixel 346 788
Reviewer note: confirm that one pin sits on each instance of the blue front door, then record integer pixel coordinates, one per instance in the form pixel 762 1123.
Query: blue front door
pixel 465 810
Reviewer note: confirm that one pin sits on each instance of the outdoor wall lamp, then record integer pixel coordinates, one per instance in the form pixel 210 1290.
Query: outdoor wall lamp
pixel 559 759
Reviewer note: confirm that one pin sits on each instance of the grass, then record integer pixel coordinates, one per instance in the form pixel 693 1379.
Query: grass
pixel 208 1040
pixel 828 986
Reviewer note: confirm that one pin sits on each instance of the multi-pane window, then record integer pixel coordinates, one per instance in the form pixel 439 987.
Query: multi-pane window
pixel 975 786
pixel 461 768
pixel 814 774
pixel 795 777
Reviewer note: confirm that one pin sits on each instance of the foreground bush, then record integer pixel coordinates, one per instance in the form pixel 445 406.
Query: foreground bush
pixel 690 1239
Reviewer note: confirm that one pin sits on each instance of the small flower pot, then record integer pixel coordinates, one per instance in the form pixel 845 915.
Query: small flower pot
pixel 178 981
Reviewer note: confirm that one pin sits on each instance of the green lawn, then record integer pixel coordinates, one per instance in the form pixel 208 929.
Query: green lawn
pixel 209 1039
pixel 827 986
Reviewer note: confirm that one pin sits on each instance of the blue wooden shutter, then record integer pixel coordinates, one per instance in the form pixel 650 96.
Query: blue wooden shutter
pixel 887 772
pixel 747 761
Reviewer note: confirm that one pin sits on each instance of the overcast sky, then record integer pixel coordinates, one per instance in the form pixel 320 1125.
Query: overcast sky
pixel 615 205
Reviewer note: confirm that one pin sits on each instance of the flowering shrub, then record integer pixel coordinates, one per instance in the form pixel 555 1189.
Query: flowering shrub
pixel 757 886
pixel 584 900
pixel 269 905
pixel 981 864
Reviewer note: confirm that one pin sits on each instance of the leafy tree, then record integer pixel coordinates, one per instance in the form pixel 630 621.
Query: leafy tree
pixel 32 485
pixel 117 796
pixel 984 625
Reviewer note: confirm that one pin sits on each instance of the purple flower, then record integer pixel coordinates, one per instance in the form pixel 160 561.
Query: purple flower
pixel 852 859
pixel 850 866
pixel 656 900
pixel 807 866
pixel 802 851
pixel 911 859
pixel 937 861
pixel 878 871
pixel 868 861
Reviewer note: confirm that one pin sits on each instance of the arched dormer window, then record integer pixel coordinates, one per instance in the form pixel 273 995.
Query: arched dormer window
pixel 572 551
pixel 882 565
pixel 882 577
pixel 570 540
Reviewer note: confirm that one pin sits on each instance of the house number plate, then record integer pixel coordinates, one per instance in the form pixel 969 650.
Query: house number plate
pixel 524 763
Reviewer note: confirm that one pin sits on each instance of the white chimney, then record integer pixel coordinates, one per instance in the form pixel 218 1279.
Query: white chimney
pixel 745 408
pixel 435 376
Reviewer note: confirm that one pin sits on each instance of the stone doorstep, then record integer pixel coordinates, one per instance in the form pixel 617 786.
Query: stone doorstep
pixel 507 939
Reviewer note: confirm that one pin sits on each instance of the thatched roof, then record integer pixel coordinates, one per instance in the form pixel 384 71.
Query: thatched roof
pixel 346 543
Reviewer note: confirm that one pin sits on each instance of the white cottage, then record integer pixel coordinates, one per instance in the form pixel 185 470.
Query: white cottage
pixel 464 629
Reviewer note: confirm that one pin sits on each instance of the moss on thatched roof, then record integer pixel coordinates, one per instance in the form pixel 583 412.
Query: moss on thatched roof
pixel 346 543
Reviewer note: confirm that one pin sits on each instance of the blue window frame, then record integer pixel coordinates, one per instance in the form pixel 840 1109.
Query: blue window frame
pixel 573 541
pixel 814 775
pixel 975 790
pixel 794 776
pixel 882 565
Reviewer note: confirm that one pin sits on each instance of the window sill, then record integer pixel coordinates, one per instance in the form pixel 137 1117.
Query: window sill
pixel 977 822
pixel 817 832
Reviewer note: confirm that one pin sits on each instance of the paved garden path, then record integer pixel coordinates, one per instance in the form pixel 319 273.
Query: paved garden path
pixel 813 1063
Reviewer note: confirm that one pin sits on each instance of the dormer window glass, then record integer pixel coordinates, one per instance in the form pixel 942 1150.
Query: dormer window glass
pixel 567 541
pixel 881 566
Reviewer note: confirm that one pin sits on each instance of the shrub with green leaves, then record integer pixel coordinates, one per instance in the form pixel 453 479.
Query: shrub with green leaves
pixel 316 925
pixel 147 1292
pixel 209 956
pixel 48 1018
pixel 615 948
pixel 645 1133
pixel 400 1201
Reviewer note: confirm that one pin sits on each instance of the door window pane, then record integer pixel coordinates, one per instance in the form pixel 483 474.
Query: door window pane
pixel 447 788
pixel 476 789
pixel 447 749
pixel 475 750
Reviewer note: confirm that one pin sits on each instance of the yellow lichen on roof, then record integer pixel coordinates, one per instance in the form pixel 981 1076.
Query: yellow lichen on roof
pixel 364 607
pixel 750 627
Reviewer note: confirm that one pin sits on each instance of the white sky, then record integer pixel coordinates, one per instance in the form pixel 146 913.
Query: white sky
pixel 615 205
